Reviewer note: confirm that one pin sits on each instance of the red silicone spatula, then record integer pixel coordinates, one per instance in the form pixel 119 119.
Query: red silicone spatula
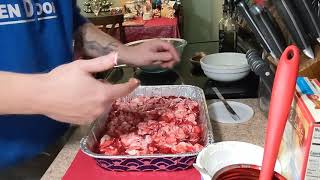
pixel 280 104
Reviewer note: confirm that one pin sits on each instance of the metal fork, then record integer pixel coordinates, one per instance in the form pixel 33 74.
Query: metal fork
pixel 233 114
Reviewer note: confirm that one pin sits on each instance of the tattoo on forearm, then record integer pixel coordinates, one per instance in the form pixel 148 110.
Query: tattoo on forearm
pixel 96 49
pixel 96 43
pixel 78 43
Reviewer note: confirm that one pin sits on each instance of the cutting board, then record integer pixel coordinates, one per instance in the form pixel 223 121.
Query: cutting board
pixel 84 167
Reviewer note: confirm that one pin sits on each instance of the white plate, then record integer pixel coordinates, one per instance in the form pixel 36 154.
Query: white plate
pixel 219 155
pixel 219 113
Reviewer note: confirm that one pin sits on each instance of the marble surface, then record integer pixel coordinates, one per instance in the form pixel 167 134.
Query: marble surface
pixel 252 131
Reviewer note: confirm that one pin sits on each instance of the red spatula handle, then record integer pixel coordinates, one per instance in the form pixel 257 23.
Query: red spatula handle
pixel 280 105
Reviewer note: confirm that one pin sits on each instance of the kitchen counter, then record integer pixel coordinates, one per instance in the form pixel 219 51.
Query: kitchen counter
pixel 252 131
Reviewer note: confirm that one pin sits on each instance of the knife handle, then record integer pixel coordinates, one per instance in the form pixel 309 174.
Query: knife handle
pixel 261 68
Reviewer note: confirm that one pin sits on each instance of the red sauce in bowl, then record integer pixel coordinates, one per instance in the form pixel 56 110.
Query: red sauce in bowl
pixel 242 172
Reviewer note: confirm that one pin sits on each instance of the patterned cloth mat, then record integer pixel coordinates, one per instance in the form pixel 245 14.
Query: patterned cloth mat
pixel 84 167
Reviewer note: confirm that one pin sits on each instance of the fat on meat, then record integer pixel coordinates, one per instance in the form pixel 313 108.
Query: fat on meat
pixel 152 125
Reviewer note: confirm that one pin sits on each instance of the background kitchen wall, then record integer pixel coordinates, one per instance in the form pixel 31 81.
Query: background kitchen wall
pixel 201 19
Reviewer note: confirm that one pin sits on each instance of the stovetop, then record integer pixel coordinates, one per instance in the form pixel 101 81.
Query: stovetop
pixel 245 88
pixel 164 78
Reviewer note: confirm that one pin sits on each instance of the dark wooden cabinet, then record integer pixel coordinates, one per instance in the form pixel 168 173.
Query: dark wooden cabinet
pixel 109 23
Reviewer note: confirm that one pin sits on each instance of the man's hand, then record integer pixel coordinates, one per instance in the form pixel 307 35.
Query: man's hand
pixel 154 52
pixel 74 96
pixel 95 43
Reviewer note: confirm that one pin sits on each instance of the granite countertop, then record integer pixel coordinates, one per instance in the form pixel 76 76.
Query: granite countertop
pixel 252 131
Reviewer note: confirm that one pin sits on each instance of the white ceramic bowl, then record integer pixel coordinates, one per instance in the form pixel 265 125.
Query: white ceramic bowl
pixel 226 67
pixel 225 77
pixel 219 155
pixel 225 61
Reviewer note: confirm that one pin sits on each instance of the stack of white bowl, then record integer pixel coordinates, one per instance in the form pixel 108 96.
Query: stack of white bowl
pixel 225 67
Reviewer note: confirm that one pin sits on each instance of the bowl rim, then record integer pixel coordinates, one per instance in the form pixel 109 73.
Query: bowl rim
pixel 228 143
pixel 243 166
pixel 224 66
pixel 183 41
pixel 227 71
pixel 193 61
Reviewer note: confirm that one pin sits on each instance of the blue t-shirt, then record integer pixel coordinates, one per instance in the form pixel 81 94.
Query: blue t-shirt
pixel 35 36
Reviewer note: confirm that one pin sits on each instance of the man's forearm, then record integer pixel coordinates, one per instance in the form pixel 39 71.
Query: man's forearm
pixel 95 42
pixel 20 93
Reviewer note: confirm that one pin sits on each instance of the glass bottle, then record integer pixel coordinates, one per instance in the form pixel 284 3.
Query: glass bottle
pixel 221 28
pixel 230 33
pixel 177 8
pixel 158 4
pixel 264 97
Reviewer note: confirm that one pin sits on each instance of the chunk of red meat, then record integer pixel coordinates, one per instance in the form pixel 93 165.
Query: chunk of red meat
pixel 167 117
pixel 149 125
pixel 112 147
pixel 184 147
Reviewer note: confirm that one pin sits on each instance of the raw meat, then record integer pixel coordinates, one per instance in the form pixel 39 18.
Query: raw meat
pixel 152 125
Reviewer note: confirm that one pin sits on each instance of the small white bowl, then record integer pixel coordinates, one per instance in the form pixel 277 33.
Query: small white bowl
pixel 225 67
pixel 219 155
pixel 225 61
